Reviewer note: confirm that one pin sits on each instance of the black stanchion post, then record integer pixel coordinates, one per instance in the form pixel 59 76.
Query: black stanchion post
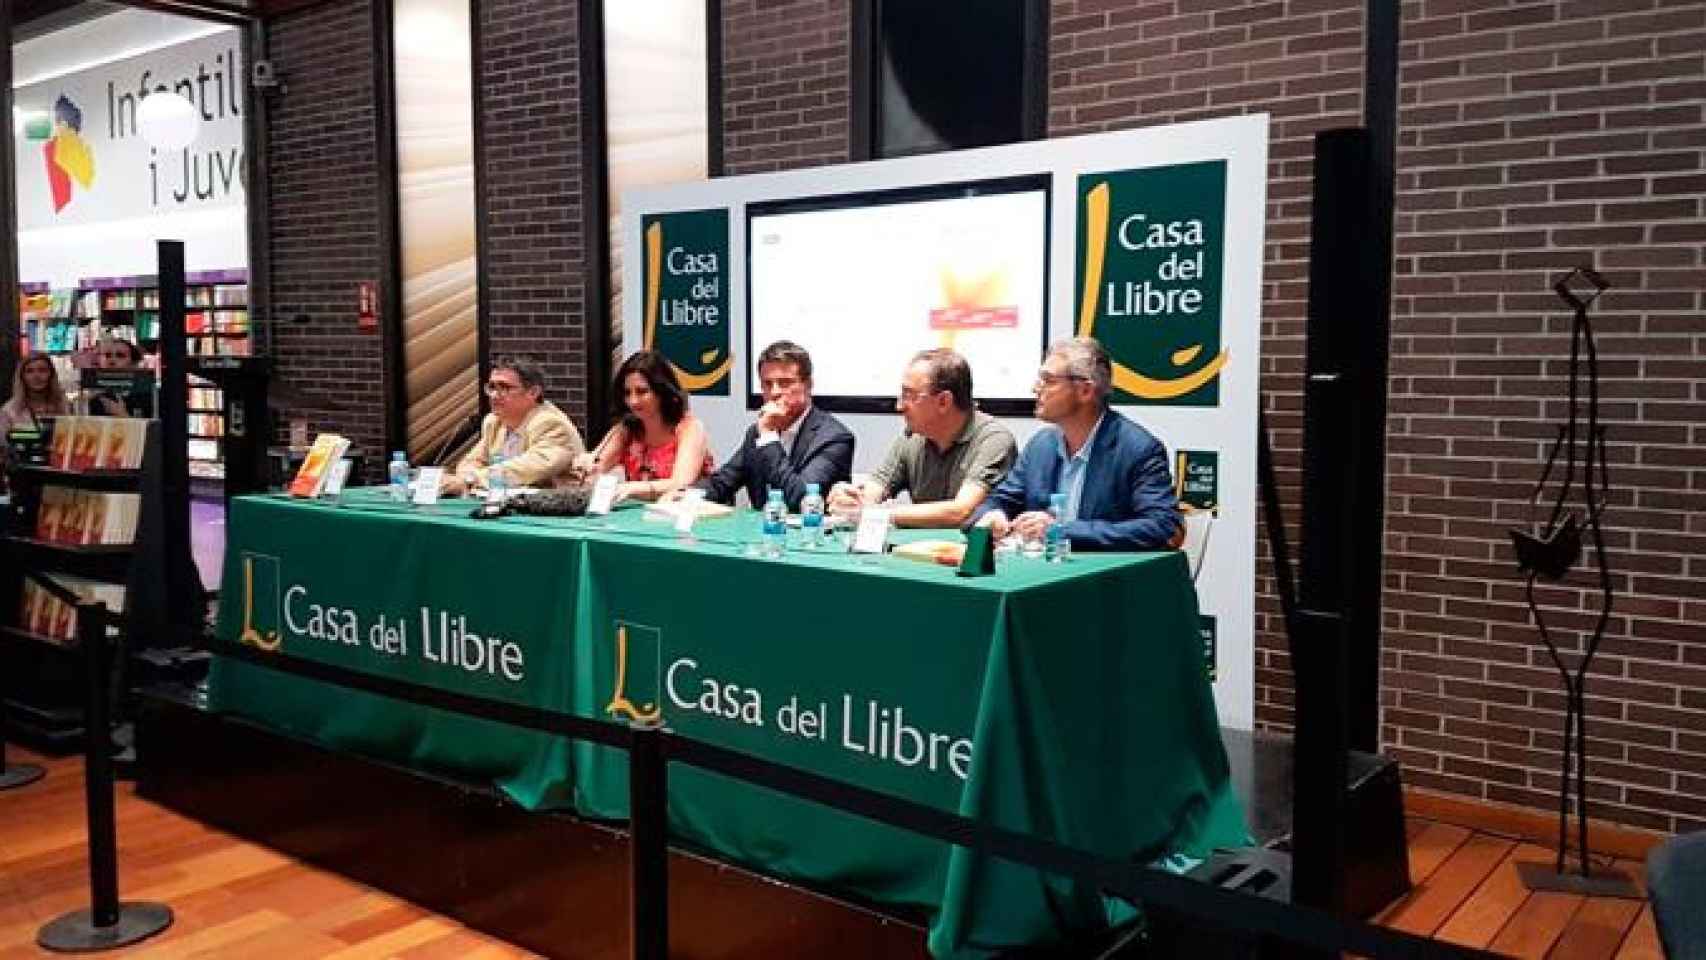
pixel 107 924
pixel 648 851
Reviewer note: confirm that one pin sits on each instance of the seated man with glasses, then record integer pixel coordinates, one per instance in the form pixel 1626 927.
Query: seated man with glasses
pixel 792 444
pixel 1119 490
pixel 950 455
pixel 525 435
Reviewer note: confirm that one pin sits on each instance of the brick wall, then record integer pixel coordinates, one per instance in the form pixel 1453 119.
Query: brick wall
pixel 1535 137
pixel 535 256
pixel 325 228
pixel 785 84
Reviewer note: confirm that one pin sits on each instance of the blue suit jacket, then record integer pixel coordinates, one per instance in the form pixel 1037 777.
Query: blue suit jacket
pixel 823 454
pixel 1127 503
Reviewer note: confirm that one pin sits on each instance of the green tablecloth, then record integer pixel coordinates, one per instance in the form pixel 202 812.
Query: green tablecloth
pixel 1064 700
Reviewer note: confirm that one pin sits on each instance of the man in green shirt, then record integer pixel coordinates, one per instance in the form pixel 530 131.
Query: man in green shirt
pixel 950 456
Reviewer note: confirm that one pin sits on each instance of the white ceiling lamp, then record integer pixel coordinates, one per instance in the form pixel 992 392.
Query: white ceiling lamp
pixel 167 120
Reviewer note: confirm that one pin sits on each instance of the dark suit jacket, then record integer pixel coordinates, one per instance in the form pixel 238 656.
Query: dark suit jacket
pixel 1127 503
pixel 823 454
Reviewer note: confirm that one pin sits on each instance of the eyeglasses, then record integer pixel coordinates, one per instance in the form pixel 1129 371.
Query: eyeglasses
pixel 779 383
pixel 909 396
pixel 497 389
pixel 1046 379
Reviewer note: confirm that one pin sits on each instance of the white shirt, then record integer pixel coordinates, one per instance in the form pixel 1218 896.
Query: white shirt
pixel 786 437
pixel 1072 471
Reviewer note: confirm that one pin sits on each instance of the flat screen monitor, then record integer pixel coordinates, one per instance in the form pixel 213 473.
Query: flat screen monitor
pixel 864 281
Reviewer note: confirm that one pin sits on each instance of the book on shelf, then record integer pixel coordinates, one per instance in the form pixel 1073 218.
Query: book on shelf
pixel 87 442
pixel 125 437
pixel 328 448
pixel 59 448
pixel 207 425
pixel 87 517
pixel 97 443
pixel 46 615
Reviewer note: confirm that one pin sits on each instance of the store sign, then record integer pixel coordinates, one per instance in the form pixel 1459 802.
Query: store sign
pixel 81 157
pixel 1149 279
pixel 685 276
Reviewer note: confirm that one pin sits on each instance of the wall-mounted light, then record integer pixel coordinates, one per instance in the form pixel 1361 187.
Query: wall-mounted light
pixel 167 120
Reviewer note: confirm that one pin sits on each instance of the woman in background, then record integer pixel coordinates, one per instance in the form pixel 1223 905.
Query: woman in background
pixel 658 442
pixel 36 394
pixel 111 353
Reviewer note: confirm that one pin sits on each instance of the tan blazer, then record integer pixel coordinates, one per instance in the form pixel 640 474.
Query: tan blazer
pixel 549 444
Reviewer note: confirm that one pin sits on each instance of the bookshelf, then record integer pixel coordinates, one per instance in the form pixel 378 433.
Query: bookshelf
pixel 41 693
pixel 67 323
pixel 129 560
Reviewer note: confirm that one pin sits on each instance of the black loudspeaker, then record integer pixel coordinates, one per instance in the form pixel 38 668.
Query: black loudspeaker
pixel 1349 851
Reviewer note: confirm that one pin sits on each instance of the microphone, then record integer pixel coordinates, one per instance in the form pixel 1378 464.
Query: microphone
pixel 467 428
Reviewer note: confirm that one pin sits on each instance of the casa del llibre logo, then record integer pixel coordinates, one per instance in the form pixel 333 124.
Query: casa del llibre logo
pixel 69 159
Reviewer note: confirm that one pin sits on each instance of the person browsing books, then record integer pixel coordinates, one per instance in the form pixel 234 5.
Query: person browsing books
pixel 1114 474
pixel 950 455
pixel 525 435
pixel 792 443
pixel 660 444
pixel 111 353
pixel 36 395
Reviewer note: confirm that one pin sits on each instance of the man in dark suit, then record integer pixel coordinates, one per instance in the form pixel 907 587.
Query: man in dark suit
pixel 792 444
pixel 1114 474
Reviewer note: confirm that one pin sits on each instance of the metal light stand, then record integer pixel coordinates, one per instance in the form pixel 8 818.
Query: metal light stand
pixel 1550 551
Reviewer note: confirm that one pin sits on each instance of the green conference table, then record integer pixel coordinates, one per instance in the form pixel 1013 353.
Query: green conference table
pixel 1067 701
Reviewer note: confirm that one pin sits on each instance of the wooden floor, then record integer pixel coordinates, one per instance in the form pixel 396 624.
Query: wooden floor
pixel 236 899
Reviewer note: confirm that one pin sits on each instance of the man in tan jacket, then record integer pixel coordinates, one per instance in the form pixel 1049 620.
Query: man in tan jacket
pixel 525 435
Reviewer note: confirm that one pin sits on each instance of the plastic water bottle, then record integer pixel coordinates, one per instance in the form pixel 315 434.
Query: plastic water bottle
pixel 811 518
pixel 399 476
pixel 497 482
pixel 775 524
pixel 1055 545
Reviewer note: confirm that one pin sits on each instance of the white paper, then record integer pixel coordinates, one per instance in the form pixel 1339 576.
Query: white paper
pixel 689 510
pixel 336 478
pixel 603 495
pixel 872 533
pixel 427 484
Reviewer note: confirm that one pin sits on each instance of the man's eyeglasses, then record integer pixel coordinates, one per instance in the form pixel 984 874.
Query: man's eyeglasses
pixel 496 389
pixel 909 396
pixel 779 383
pixel 1047 379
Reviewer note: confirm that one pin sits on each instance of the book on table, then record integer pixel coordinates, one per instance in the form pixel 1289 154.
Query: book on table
pixel 328 448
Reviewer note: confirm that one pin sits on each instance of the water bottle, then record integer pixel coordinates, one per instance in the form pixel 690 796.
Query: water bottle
pixel 399 476
pixel 811 518
pixel 1055 545
pixel 775 524
pixel 497 482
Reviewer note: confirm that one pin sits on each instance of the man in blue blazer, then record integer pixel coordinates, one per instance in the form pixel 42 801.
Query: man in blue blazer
pixel 1119 490
pixel 792 444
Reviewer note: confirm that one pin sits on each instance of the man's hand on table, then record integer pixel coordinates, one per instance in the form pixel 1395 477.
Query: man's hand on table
pixel 1032 524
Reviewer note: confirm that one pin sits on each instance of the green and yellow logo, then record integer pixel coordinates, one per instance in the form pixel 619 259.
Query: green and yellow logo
pixel 639 669
pixel 260 622
pixel 1196 479
pixel 686 279
pixel 1150 266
